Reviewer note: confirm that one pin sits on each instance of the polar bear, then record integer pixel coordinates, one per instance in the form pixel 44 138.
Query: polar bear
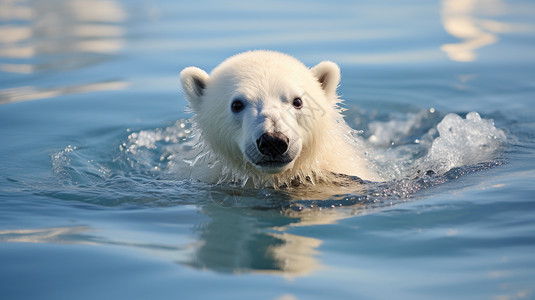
pixel 267 119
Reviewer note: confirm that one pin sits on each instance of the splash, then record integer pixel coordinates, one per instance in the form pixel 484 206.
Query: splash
pixel 164 166
pixel 149 139
pixel 463 142
pixel 400 148
pixel 411 147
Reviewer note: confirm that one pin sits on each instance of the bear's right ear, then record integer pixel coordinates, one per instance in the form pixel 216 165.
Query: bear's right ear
pixel 194 82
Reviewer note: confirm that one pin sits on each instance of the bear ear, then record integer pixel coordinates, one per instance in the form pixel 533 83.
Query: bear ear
pixel 328 75
pixel 194 82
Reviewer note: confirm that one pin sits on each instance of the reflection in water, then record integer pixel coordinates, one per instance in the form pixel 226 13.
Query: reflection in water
pixel 234 240
pixel 57 235
pixel 66 27
pixel 27 93
pixel 255 240
pixel 461 19
pixel 58 35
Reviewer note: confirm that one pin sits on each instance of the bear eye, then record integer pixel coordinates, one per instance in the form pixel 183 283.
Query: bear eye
pixel 237 106
pixel 297 103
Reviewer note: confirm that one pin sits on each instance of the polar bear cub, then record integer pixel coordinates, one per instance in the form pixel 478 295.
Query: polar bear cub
pixel 271 121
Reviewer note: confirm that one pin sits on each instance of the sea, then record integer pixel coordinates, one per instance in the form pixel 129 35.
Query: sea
pixel 93 122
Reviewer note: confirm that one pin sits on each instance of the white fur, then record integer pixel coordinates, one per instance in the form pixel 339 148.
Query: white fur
pixel 319 145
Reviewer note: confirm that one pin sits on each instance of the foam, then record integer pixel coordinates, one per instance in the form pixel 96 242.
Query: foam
pixel 398 130
pixel 463 142
pixel 149 138
pixel 400 152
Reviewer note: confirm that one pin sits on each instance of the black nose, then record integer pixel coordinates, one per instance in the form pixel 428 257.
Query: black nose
pixel 272 144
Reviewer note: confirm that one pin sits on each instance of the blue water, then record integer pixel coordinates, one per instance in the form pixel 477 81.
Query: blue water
pixel 91 110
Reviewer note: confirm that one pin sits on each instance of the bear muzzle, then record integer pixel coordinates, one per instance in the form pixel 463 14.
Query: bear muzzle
pixel 271 154
pixel 273 144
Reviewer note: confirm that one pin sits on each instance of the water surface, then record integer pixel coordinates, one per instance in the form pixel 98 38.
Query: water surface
pixel 91 110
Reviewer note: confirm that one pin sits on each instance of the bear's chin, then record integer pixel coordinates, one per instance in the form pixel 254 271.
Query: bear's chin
pixel 273 167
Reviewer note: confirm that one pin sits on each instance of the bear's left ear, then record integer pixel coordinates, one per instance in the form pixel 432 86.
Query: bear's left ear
pixel 194 82
pixel 328 75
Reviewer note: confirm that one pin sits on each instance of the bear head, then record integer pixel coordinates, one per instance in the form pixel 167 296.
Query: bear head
pixel 265 112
